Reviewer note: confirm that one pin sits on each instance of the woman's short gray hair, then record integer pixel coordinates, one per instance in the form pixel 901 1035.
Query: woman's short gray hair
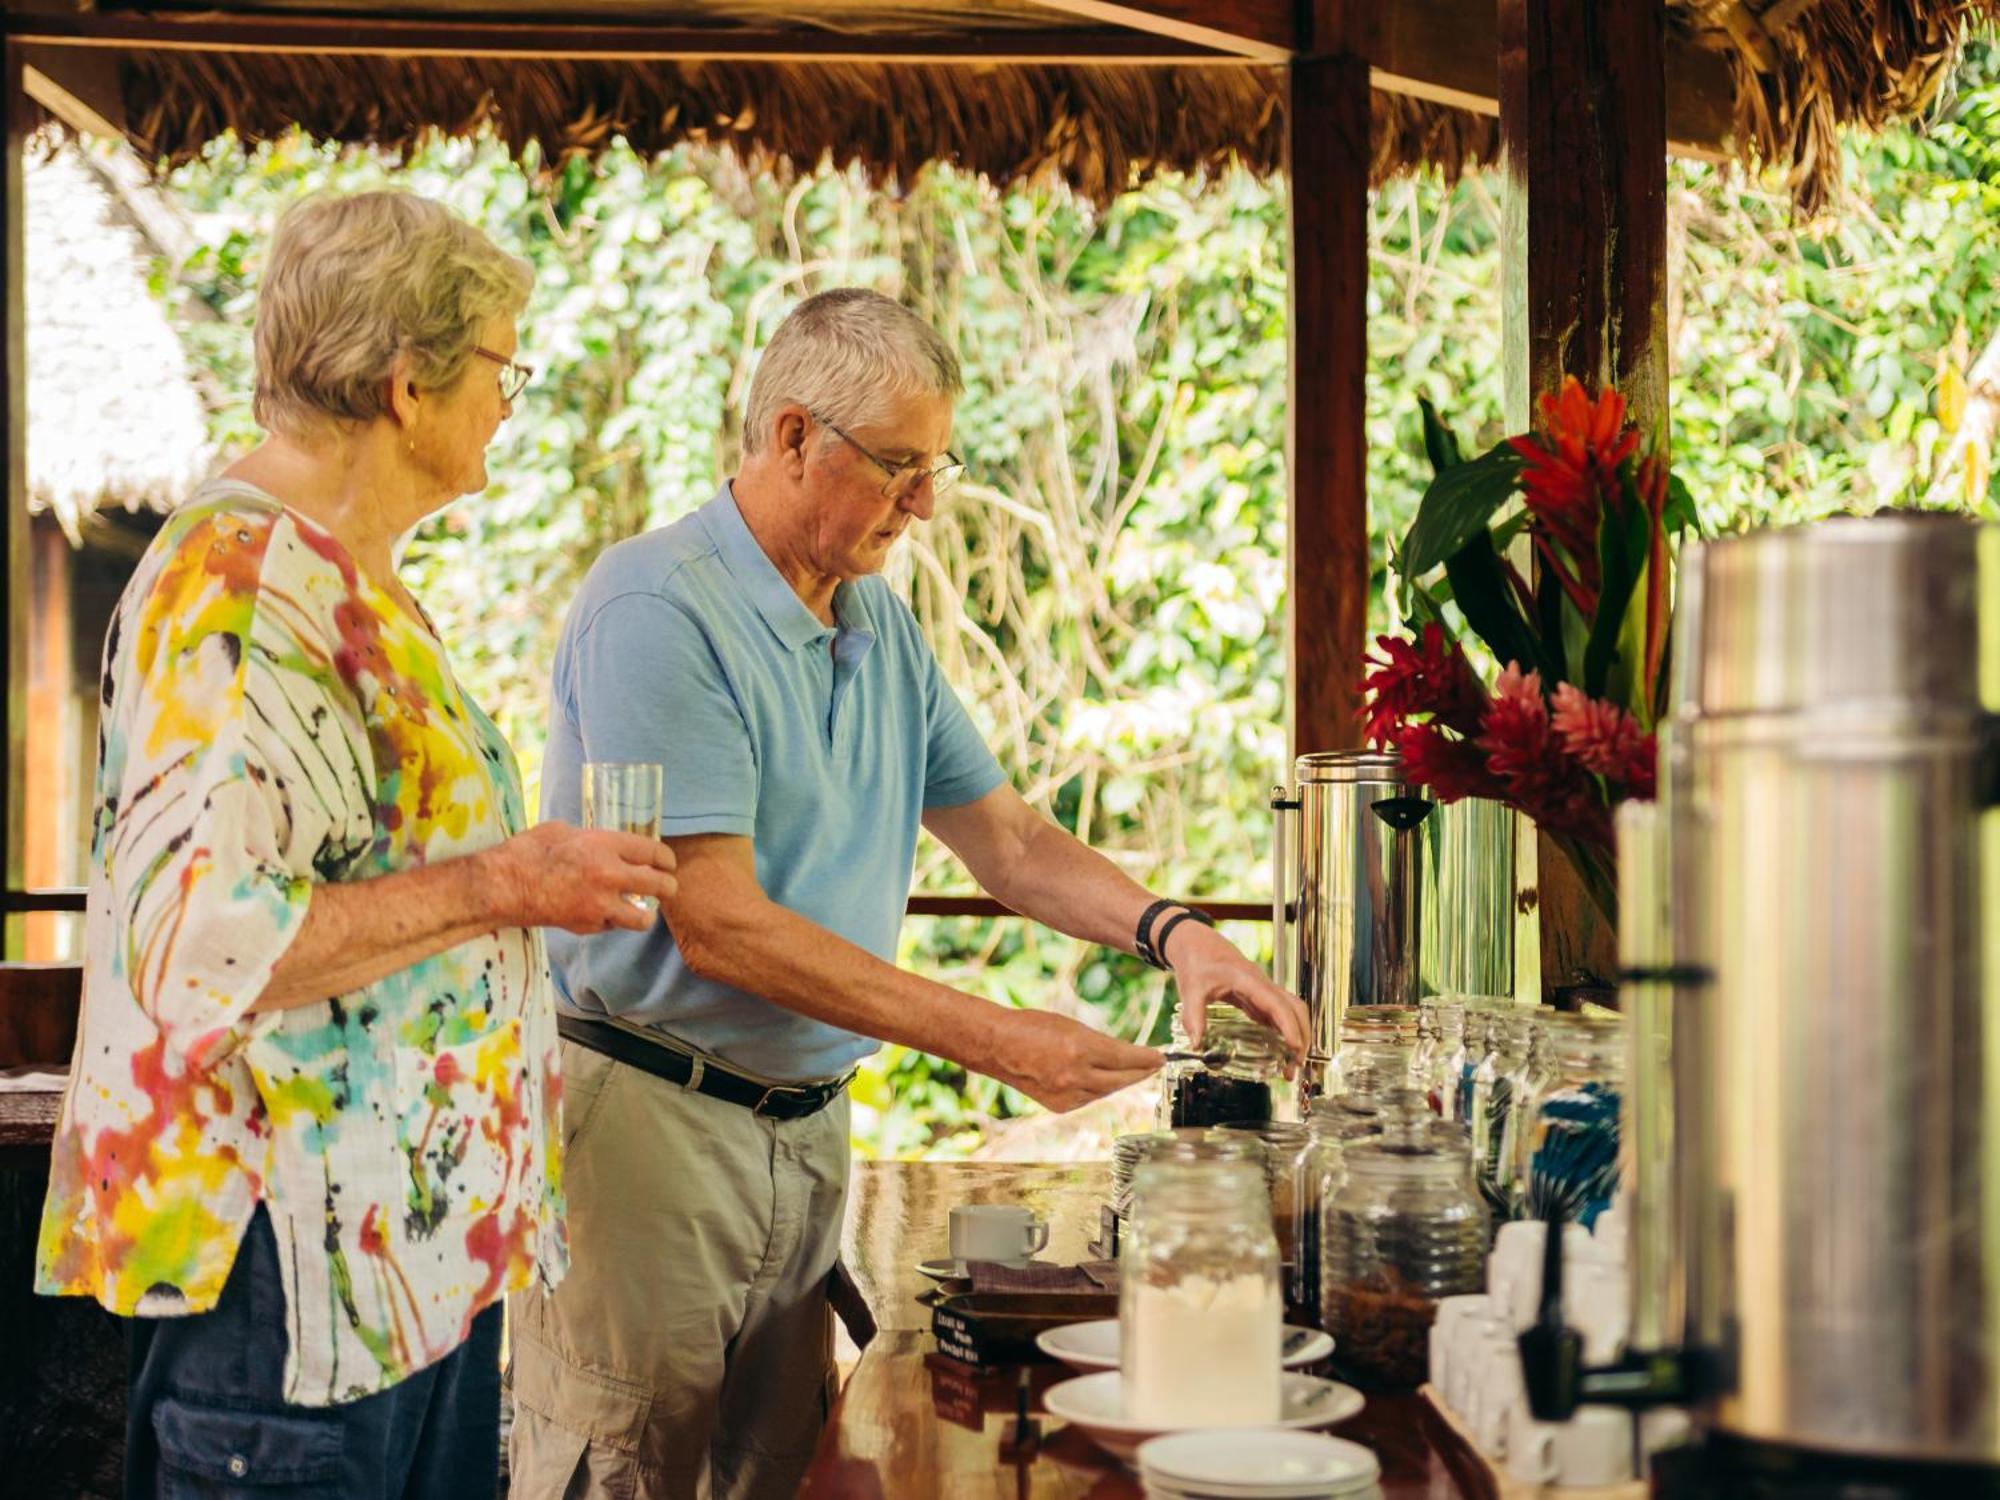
pixel 847 354
pixel 354 280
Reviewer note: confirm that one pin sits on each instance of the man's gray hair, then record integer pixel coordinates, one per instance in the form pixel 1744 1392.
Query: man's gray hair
pixel 848 354
pixel 354 280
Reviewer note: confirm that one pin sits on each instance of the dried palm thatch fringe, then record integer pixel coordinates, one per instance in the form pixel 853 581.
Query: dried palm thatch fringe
pixel 1802 70
pixel 1098 129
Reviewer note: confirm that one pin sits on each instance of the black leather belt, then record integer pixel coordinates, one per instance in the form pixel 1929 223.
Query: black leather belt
pixel 663 1060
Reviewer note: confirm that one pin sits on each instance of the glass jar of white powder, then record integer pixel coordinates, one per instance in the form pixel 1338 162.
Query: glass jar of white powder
pixel 1199 1305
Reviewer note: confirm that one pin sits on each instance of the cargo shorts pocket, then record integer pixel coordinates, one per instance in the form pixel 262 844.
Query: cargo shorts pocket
pixel 227 1453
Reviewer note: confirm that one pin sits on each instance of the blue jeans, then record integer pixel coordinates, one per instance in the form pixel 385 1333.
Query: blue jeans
pixel 206 1419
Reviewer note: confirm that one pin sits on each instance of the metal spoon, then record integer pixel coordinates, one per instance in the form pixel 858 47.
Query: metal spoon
pixel 1214 1057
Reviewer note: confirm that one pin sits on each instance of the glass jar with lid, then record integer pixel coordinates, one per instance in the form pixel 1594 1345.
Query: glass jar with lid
pixel 1199 1308
pixel 1332 1125
pixel 1377 1044
pixel 1566 1147
pixel 1494 1092
pixel 1438 1072
pixel 1474 1043
pixel 1284 1144
pixel 1425 1057
pixel 1405 1230
pixel 1238 1088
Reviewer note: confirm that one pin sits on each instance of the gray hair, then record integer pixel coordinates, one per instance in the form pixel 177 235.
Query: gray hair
pixel 847 354
pixel 353 281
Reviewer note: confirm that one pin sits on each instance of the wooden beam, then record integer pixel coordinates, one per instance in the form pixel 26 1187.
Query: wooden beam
pixel 1448 50
pixel 15 583
pixel 1264 30
pixel 1583 134
pixel 1326 158
pixel 986 906
pixel 77 85
pixel 389 36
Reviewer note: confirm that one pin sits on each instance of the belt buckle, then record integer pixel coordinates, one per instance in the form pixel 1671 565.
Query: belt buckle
pixel 777 1091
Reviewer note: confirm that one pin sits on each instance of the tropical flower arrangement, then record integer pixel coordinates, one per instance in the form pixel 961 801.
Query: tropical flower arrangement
pixel 1567 731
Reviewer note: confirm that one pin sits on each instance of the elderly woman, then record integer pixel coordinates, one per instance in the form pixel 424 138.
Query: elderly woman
pixel 312 1132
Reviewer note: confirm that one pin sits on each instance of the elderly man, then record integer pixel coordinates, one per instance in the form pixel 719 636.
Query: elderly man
pixel 806 733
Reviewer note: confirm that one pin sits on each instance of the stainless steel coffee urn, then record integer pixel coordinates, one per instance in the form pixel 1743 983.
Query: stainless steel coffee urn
pixel 1830 1185
pixel 1369 878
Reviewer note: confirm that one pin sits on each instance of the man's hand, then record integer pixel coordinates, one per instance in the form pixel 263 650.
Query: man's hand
pixel 1060 1063
pixel 1208 968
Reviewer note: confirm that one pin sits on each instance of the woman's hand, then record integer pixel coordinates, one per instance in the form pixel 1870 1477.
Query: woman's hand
pixel 579 879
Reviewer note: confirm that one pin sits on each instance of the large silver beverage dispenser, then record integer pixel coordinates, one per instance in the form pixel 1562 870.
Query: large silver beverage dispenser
pixel 1828 1175
pixel 1835 891
pixel 1369 876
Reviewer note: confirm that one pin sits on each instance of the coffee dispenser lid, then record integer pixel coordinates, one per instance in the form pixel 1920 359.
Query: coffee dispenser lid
pixel 1344 766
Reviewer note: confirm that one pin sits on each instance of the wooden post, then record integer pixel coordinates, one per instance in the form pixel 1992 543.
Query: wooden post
pixel 1326 160
pixel 1584 154
pixel 15 585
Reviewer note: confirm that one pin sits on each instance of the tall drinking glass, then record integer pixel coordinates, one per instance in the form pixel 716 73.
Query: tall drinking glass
pixel 624 795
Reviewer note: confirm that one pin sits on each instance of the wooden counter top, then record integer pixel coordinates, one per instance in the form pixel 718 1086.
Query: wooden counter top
pixel 912 1424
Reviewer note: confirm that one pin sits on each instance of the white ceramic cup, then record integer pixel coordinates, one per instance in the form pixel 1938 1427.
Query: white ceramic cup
pixel 1596 1303
pixel 1005 1232
pixel 1444 1331
pixel 1664 1427
pixel 1514 1272
pixel 1594 1447
pixel 1477 1342
pixel 1497 1390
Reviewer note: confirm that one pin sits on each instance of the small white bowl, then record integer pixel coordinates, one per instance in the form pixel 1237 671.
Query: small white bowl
pixel 1096 1403
pixel 1094 1345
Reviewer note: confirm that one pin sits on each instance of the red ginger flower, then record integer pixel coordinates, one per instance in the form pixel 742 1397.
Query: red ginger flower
pixel 1606 739
pixel 1571 473
pixel 1427 676
pixel 1448 766
pixel 1539 773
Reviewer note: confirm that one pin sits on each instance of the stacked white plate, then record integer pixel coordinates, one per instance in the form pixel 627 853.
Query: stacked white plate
pixel 1228 1463
pixel 1096 1405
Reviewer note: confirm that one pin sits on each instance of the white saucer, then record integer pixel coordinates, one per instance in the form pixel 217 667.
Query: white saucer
pixel 1096 1403
pixel 1255 1464
pixel 1094 1345
pixel 951 1268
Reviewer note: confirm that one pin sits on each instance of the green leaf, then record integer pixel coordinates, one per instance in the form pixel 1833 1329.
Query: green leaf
pixel 1457 507
pixel 1480 586
pixel 1440 442
pixel 1680 514
pixel 1622 539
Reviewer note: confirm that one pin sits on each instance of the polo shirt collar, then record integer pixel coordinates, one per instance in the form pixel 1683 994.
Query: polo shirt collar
pixel 783 610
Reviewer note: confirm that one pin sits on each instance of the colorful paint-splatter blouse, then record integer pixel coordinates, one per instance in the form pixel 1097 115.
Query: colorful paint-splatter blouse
pixel 273 720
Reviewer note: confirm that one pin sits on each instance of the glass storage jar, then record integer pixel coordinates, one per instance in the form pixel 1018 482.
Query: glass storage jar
pixel 1284 1144
pixel 1448 1024
pixel 1333 1124
pixel 1380 1039
pixel 1406 1229
pixel 1238 1088
pixel 1471 1051
pixel 1199 1309
pixel 1493 1097
pixel 1566 1149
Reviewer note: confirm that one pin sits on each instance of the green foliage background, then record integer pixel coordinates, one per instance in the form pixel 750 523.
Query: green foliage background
pixel 1107 589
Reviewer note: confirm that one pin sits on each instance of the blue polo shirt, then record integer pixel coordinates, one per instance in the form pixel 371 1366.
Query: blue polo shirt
pixel 822 746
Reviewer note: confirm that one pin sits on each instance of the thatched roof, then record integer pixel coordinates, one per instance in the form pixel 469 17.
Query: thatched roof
pixel 1799 69
pixel 113 414
pixel 1095 128
pixel 1804 68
